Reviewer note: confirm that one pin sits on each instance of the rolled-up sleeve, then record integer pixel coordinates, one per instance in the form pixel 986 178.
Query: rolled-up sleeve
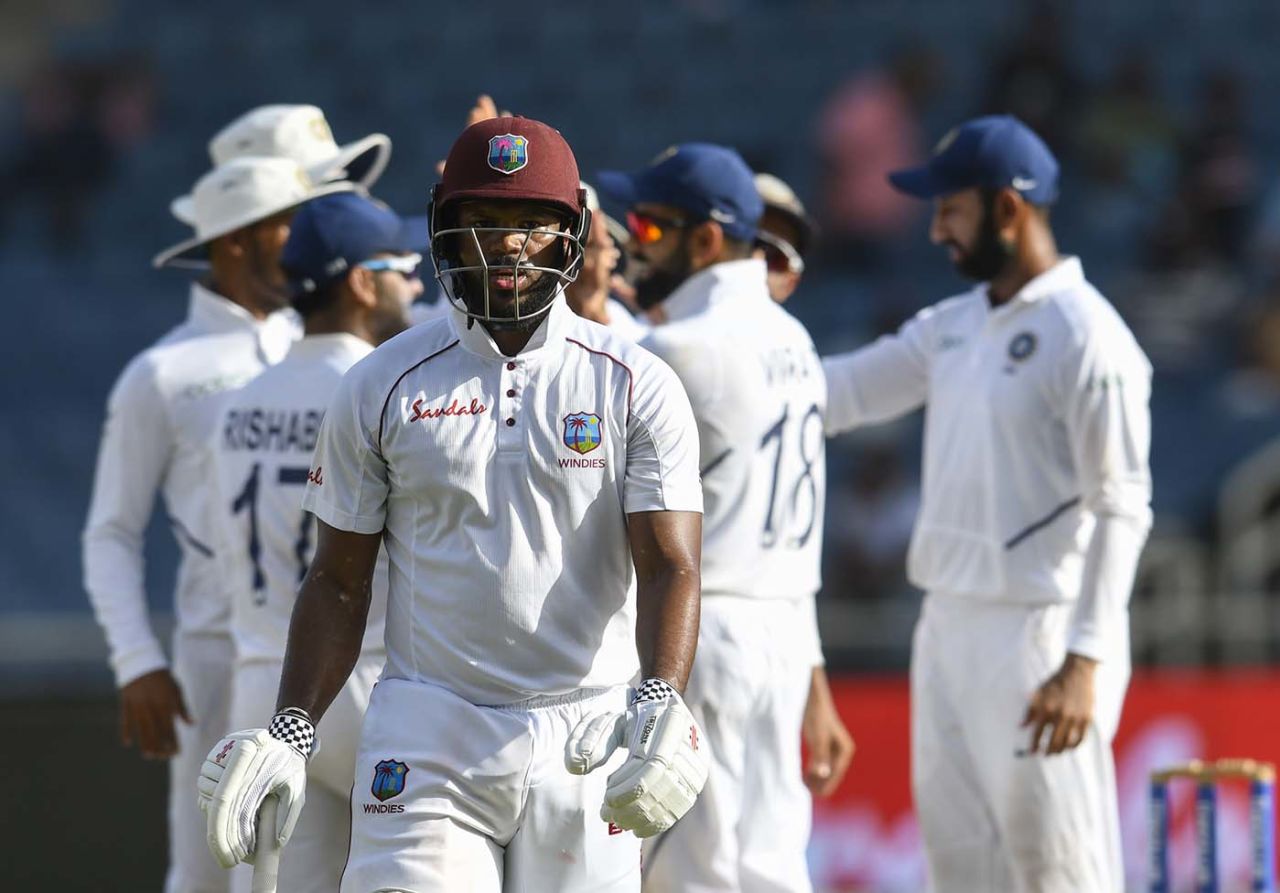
pixel 1107 384
pixel 886 379
pixel 133 457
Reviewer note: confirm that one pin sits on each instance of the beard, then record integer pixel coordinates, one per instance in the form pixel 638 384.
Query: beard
pixel 469 286
pixel 391 317
pixel 530 301
pixel 657 283
pixel 989 254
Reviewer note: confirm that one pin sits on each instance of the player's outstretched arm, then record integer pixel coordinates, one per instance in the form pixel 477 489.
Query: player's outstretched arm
pixel 325 634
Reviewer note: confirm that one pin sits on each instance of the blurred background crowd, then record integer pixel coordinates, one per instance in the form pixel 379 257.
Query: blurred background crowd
pixel 1160 113
pixel 1163 115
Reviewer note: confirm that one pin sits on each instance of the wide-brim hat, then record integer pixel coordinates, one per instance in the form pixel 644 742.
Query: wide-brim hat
pixel 239 193
pixel 302 133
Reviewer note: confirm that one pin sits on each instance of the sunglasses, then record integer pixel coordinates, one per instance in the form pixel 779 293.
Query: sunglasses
pixel 404 264
pixel 779 254
pixel 648 228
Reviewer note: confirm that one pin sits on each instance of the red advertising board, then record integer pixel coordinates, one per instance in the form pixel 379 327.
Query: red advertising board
pixel 865 838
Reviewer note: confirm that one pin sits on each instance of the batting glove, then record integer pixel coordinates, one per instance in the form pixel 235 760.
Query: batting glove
pixel 667 767
pixel 239 773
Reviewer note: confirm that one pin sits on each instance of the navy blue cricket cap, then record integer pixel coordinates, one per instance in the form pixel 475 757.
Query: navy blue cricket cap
pixel 332 234
pixel 709 181
pixel 994 152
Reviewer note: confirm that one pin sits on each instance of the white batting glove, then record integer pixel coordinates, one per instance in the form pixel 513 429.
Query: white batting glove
pixel 239 773
pixel 667 768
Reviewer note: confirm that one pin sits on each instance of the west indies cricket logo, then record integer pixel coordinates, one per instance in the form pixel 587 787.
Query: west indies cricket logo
pixel 582 431
pixel 388 779
pixel 508 153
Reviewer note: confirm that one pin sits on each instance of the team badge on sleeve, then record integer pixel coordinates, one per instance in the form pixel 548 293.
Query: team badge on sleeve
pixel 582 431
pixel 508 153
pixel 388 779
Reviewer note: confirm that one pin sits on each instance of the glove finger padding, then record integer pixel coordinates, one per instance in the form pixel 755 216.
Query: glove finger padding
pixel 238 774
pixel 593 741
pixel 666 771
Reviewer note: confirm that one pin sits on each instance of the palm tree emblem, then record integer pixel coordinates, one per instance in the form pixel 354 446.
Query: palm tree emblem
pixel 582 431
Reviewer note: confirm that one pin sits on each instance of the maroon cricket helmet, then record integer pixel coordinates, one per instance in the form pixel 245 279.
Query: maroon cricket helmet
pixel 511 158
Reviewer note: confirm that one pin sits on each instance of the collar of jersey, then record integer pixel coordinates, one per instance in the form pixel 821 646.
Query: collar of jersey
pixel 549 334
pixel 1066 275
pixel 735 280
pixel 331 344
pixel 215 313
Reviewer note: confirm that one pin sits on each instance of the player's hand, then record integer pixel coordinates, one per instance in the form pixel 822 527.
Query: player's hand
pixel 238 774
pixel 148 707
pixel 830 745
pixel 1061 710
pixel 666 770
pixel 485 109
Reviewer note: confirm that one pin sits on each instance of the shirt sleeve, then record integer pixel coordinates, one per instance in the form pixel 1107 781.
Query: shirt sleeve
pixel 662 445
pixel 1108 390
pixel 133 457
pixel 881 381
pixel 347 484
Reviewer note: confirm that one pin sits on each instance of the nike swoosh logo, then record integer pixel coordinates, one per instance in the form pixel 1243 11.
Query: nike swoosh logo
pixel 1022 184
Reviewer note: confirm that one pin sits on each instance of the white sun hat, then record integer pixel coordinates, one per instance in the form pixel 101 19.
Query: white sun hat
pixel 240 193
pixel 302 133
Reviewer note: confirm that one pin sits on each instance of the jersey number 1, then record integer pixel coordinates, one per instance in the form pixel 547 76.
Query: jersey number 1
pixel 247 501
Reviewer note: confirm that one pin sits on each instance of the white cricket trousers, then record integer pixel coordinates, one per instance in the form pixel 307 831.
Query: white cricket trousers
pixel 202 667
pixel 749 829
pixel 312 860
pixel 994 819
pixel 451 797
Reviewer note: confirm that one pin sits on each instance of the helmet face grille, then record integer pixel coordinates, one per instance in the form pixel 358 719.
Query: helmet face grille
pixel 453 274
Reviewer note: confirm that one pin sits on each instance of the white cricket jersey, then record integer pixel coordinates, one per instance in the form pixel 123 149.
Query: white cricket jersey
pixel 501 486
pixel 1036 426
pixel 623 322
pixel 160 415
pixel 262 451
pixel 759 396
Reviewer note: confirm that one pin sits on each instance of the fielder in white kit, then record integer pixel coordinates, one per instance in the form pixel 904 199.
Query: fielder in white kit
pixel 155 440
pixel 534 479
pixel 352 274
pixel 1035 509
pixel 757 390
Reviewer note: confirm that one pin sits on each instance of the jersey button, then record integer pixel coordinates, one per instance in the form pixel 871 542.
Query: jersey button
pixel 511 392
pixel 511 366
pixel 510 422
